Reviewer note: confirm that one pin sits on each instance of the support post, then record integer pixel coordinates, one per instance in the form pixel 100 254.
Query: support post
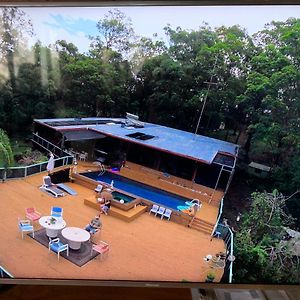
pixel 216 184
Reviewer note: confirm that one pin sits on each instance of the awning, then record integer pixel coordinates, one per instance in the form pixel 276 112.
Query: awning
pixel 80 135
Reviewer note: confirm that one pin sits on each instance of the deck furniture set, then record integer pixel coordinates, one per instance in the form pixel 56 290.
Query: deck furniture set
pixel 54 223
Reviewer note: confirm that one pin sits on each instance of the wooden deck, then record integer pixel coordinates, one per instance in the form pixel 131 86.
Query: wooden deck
pixel 146 249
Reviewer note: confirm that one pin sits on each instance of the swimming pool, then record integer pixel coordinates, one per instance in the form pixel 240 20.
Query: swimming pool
pixel 139 189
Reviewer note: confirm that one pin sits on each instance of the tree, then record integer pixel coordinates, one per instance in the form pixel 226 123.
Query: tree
pixel 262 256
pixel 14 24
pixel 6 154
pixel 115 32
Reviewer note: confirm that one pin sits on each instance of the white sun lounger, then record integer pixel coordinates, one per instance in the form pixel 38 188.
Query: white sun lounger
pixel 49 187
pixel 66 188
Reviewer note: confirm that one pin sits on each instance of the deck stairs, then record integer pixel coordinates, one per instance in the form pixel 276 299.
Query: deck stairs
pixel 201 225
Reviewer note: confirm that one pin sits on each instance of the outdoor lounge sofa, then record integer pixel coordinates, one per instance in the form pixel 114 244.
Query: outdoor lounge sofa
pixel 49 187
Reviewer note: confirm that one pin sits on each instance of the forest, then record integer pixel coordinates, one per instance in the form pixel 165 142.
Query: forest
pixel 253 101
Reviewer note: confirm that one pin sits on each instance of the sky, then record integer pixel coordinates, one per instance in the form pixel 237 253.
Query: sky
pixel 76 24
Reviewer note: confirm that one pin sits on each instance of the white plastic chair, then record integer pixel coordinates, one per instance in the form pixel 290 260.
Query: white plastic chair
pixel 154 209
pixel 167 214
pixel 161 210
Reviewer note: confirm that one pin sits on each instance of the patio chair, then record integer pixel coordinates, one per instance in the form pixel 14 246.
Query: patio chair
pixel 56 246
pixel 83 156
pixel 167 214
pixel 25 226
pixel 32 214
pixel 51 188
pixel 56 212
pixel 102 248
pixel 154 209
pixel 160 211
pixel 99 188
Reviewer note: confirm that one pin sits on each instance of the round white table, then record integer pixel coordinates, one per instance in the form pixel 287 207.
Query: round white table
pixel 52 228
pixel 75 236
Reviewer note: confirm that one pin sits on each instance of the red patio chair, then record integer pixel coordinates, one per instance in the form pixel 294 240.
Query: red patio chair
pixel 32 214
pixel 102 248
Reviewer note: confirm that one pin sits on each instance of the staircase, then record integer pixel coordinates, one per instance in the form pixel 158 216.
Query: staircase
pixel 201 225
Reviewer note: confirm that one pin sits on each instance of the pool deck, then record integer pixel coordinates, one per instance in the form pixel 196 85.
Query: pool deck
pixel 147 249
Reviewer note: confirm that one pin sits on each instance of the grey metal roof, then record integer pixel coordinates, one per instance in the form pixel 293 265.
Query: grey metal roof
pixel 178 142
pixel 79 135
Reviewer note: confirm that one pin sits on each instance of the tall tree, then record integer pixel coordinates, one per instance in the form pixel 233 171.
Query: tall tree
pixel 115 32
pixel 14 24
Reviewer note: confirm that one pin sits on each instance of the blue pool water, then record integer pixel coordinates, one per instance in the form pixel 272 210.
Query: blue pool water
pixel 142 190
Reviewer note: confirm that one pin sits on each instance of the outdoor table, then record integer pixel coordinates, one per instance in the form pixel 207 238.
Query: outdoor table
pixel 52 228
pixel 75 236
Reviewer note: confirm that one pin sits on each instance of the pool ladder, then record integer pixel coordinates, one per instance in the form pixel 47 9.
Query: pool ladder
pixel 102 169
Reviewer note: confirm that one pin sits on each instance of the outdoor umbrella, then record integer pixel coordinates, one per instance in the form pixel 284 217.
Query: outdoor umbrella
pixel 50 165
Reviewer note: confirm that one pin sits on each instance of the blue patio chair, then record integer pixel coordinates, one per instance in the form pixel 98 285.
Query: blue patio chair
pixel 25 226
pixel 56 246
pixel 56 212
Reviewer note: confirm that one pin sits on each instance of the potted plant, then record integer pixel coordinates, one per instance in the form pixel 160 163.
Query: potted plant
pixel 210 277
pixel 52 220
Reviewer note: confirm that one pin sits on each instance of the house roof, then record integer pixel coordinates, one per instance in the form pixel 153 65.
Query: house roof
pixel 259 166
pixel 167 139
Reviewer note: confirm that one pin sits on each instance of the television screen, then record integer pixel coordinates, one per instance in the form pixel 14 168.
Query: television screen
pixel 155 144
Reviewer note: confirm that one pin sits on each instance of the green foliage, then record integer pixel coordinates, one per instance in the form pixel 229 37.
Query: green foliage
pixel 6 154
pixel 260 252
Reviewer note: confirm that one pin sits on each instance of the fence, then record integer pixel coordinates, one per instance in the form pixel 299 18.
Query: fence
pixel 227 235
pixel 64 159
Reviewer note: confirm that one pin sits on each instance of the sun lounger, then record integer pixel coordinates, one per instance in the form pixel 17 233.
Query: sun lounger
pixel 49 187
pixel 66 188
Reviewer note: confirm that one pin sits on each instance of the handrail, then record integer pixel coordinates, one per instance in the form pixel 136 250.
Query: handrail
pixel 36 139
pixel 2 271
pixel 67 159
pixel 228 239
pixel 219 216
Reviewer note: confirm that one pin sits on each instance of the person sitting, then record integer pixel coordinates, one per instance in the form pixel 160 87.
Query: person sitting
pixel 94 225
pixel 105 207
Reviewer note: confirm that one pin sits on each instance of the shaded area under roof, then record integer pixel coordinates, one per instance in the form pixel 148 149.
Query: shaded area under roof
pixel 80 135
pixel 178 142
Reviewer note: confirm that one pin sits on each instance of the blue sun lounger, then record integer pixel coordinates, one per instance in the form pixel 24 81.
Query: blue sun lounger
pixel 66 188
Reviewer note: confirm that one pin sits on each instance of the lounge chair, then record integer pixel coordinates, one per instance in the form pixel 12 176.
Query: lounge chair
pixel 154 209
pixel 161 210
pixel 51 188
pixel 167 214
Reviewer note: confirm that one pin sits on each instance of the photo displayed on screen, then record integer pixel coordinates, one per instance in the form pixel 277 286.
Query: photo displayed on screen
pixel 153 144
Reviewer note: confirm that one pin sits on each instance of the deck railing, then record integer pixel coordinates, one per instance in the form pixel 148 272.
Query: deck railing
pixel 4 273
pixel 46 145
pixel 227 235
pixel 219 217
pixel 64 159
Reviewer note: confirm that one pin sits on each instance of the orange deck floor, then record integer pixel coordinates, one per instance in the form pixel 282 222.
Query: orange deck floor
pixel 147 249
